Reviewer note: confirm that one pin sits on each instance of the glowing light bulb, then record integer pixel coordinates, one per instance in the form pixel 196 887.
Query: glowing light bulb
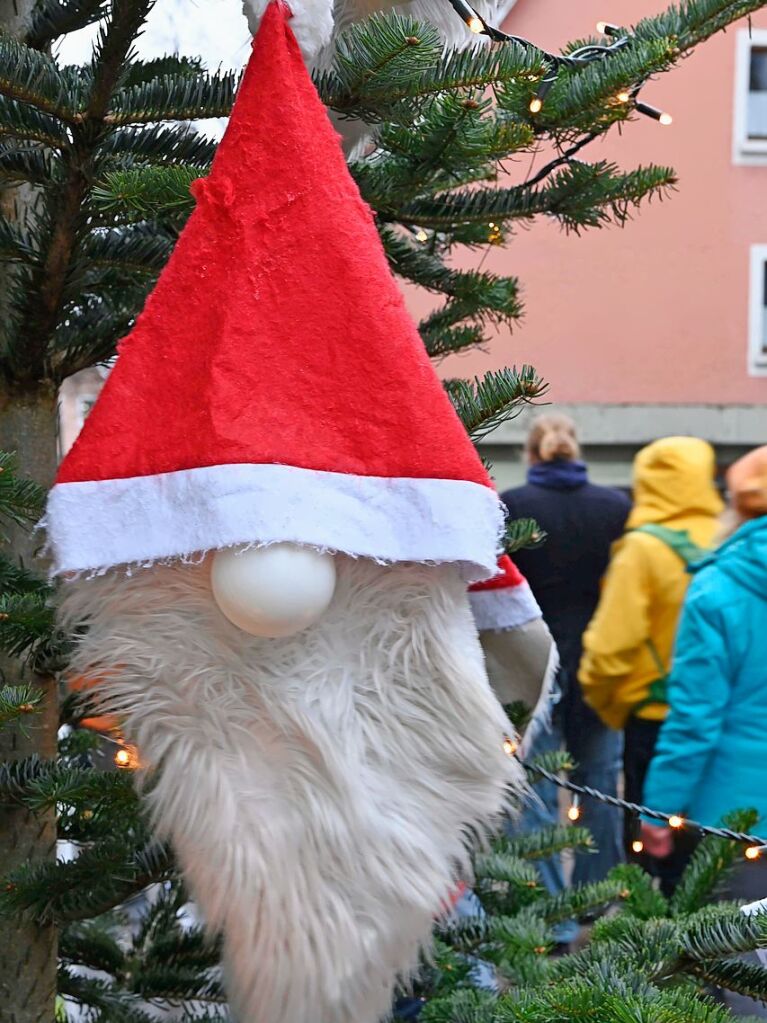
pixel 421 235
pixel 753 852
pixel 476 25
pixel 637 845
pixel 675 821
pixel 509 747
pixel 495 237
pixel 601 27
pixel 126 758
pixel 536 105
pixel 666 118
pixel 574 812
pixel 624 96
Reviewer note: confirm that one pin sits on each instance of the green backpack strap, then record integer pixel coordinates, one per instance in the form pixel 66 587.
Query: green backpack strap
pixel 682 544
pixel 678 540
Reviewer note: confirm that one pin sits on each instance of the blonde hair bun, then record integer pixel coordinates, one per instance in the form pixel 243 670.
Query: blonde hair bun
pixel 552 437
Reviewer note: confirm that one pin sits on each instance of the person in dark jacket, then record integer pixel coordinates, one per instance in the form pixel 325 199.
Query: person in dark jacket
pixel 582 520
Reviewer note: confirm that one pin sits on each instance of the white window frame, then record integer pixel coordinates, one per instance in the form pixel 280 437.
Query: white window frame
pixel 757 357
pixel 746 151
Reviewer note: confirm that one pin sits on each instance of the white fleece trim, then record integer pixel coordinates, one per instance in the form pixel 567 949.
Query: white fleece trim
pixel 312 21
pixel 507 608
pixel 96 525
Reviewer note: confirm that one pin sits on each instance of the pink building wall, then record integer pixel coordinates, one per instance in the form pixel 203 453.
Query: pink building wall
pixel 656 312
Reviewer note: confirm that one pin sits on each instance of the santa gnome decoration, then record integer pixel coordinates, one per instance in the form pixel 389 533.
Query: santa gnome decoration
pixel 267 526
pixel 520 654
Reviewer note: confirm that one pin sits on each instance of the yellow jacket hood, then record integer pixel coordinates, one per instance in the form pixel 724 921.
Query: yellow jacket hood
pixel 634 625
pixel 673 478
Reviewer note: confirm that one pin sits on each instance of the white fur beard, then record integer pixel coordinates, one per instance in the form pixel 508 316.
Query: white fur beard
pixel 320 791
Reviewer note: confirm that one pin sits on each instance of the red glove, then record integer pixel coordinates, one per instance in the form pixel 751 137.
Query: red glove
pixel 658 840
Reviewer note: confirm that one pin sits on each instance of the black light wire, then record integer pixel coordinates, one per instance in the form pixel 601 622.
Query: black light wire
pixel 645 811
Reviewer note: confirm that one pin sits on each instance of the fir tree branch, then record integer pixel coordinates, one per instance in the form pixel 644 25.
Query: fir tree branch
pixel 160 144
pixel 148 192
pixel 692 22
pixel 90 944
pixel 88 334
pixel 428 271
pixel 177 983
pixel 539 845
pixel 495 867
pixel 523 534
pixel 16 704
pixel 19 121
pixel 710 863
pixel 14 577
pixel 51 19
pixel 554 761
pixel 20 162
pixel 722 932
pixel 26 622
pixel 112 51
pixel 390 66
pixel 484 404
pixel 574 902
pixel 644 902
pixel 581 195
pixel 101 877
pixel 32 78
pixel 141 249
pixel 174 98
pixel 21 500
pixel 108 1004
pixel 441 341
pixel 144 72
pixel 744 978
pixel 386 49
pixel 162 946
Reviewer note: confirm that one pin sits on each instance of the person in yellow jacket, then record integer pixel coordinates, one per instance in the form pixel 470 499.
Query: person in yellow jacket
pixel 628 644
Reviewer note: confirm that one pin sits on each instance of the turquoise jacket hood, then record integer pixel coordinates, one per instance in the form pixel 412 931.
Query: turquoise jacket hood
pixel 712 748
pixel 743 557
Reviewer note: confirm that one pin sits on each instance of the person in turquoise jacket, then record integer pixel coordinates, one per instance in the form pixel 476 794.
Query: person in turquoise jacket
pixel 711 752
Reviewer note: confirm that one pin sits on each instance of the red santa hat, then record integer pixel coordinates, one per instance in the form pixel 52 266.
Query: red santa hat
pixel 274 388
pixel 505 601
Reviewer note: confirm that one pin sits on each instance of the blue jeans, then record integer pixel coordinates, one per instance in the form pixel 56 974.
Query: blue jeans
pixel 597 751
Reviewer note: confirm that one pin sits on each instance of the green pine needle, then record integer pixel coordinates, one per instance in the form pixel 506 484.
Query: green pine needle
pixel 17 703
pixel 483 404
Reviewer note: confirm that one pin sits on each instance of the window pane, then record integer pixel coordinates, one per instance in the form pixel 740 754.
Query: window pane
pixel 756 110
pixel 757 79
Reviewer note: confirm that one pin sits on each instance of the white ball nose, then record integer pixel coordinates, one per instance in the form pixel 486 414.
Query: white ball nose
pixel 273 591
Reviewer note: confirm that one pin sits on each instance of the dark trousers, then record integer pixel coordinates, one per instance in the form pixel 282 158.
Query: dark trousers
pixel 639 739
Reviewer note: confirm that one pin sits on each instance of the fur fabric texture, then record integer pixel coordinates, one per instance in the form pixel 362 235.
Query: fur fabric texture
pixel 312 22
pixel 320 790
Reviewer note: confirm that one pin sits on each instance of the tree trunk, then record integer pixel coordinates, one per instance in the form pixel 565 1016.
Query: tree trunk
pixel 28 952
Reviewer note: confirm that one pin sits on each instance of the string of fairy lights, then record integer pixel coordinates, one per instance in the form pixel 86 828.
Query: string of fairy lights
pixel 756 845
pixel 578 58
pixel 126 758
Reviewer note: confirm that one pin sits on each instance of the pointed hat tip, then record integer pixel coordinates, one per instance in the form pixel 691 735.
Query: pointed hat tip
pixel 311 21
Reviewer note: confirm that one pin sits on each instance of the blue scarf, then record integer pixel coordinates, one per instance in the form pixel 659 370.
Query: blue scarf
pixel 560 474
